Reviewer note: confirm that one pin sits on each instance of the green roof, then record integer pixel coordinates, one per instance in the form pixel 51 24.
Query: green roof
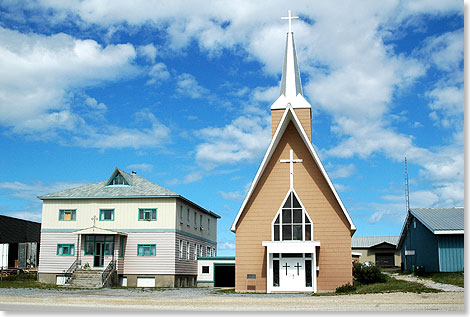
pixel 138 187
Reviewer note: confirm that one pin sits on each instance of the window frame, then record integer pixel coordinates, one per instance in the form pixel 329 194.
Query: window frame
pixel 180 249
pixel 141 250
pixel 71 246
pixel 102 210
pixel 73 214
pixel 195 220
pixel 280 224
pixel 200 222
pixel 181 214
pixel 188 220
pixel 188 250
pixel 145 211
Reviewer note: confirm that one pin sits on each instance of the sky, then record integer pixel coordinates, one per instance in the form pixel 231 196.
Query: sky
pixel 180 92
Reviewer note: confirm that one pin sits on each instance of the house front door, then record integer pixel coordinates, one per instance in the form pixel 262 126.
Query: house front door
pixel 292 274
pixel 99 254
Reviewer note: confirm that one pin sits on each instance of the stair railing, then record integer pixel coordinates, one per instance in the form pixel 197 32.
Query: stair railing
pixel 69 273
pixel 107 273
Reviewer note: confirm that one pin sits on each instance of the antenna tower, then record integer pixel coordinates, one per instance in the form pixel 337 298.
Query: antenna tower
pixel 407 187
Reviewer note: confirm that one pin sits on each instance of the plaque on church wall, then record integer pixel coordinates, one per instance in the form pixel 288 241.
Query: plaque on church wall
pixel 251 276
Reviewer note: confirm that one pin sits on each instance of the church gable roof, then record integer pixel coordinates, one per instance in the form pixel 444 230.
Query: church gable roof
pixel 290 116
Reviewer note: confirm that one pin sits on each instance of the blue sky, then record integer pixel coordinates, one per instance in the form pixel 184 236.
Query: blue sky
pixel 181 92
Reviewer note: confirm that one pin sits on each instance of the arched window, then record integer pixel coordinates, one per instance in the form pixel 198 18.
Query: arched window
pixel 292 221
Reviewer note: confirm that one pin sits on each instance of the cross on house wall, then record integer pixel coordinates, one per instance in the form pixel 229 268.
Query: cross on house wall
pixel 290 17
pixel 94 218
pixel 298 267
pixel 291 162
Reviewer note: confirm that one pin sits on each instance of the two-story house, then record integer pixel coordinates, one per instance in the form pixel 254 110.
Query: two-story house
pixel 147 234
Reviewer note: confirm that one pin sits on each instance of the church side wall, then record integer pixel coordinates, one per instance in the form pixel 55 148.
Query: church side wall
pixel 331 227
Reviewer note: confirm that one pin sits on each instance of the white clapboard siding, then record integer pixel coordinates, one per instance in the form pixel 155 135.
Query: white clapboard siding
pixel 126 213
pixel 162 263
pixel 184 266
pixel 49 261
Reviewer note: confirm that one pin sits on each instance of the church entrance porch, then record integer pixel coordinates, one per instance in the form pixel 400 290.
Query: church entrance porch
pixel 291 272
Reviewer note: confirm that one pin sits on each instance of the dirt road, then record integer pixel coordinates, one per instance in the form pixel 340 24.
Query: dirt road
pixel 206 300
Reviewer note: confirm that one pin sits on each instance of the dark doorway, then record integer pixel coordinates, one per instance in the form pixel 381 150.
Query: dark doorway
pixel 99 256
pixel 385 259
pixel 224 275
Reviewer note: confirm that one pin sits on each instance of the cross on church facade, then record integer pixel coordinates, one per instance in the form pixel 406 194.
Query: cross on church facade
pixel 286 266
pixel 291 162
pixel 290 17
pixel 298 267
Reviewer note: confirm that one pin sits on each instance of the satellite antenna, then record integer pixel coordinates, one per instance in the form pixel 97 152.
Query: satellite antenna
pixel 407 187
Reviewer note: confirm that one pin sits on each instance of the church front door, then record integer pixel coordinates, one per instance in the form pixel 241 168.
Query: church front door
pixel 292 273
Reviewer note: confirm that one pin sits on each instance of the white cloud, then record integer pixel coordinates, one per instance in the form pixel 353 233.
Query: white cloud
pixel 158 73
pixel 236 196
pixel 343 171
pixel 446 50
pixel 226 246
pixel 187 179
pixel 119 137
pixel 144 167
pixel 148 51
pixel 447 104
pixel 244 139
pixel 30 192
pixel 187 85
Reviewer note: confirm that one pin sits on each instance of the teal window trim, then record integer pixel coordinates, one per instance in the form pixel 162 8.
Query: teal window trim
pixel 153 212
pixel 117 180
pixel 73 215
pixel 108 242
pixel 141 248
pixel 123 244
pixel 70 247
pixel 102 214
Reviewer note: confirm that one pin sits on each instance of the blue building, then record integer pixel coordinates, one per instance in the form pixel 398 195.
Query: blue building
pixel 434 239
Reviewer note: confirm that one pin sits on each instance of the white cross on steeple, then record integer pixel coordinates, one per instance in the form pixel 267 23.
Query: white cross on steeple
pixel 291 162
pixel 290 17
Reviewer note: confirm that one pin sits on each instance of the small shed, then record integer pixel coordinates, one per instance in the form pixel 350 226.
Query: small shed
pixel 19 243
pixel 379 250
pixel 216 271
pixel 433 238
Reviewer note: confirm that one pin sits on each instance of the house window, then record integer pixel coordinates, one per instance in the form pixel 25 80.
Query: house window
pixel 180 248
pixel 187 218
pixel 213 252
pixel 118 179
pixel 147 214
pixel 123 246
pixel 292 222
pixel 208 251
pixel 181 214
pixel 106 214
pixel 200 222
pixel 65 249
pixel 188 249
pixel 200 250
pixel 67 215
pixel 195 251
pixel 195 220
pixel 208 226
pixel 146 250
pixel 95 243
pixel 205 269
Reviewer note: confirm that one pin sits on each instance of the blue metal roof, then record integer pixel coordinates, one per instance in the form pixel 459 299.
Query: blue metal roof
pixel 440 219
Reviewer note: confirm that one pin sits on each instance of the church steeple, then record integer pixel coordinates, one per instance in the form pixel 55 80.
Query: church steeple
pixel 291 85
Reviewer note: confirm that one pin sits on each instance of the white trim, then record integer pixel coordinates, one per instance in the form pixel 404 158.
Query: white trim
pixel 449 232
pixel 272 146
pixel 356 253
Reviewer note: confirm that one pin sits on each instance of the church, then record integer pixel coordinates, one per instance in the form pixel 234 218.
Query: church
pixel 293 233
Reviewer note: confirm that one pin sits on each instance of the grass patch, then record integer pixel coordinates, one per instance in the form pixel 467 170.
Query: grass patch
pixel 453 278
pixel 27 284
pixel 392 285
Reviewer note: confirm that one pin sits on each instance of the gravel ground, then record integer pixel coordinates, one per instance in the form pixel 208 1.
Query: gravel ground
pixel 200 299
